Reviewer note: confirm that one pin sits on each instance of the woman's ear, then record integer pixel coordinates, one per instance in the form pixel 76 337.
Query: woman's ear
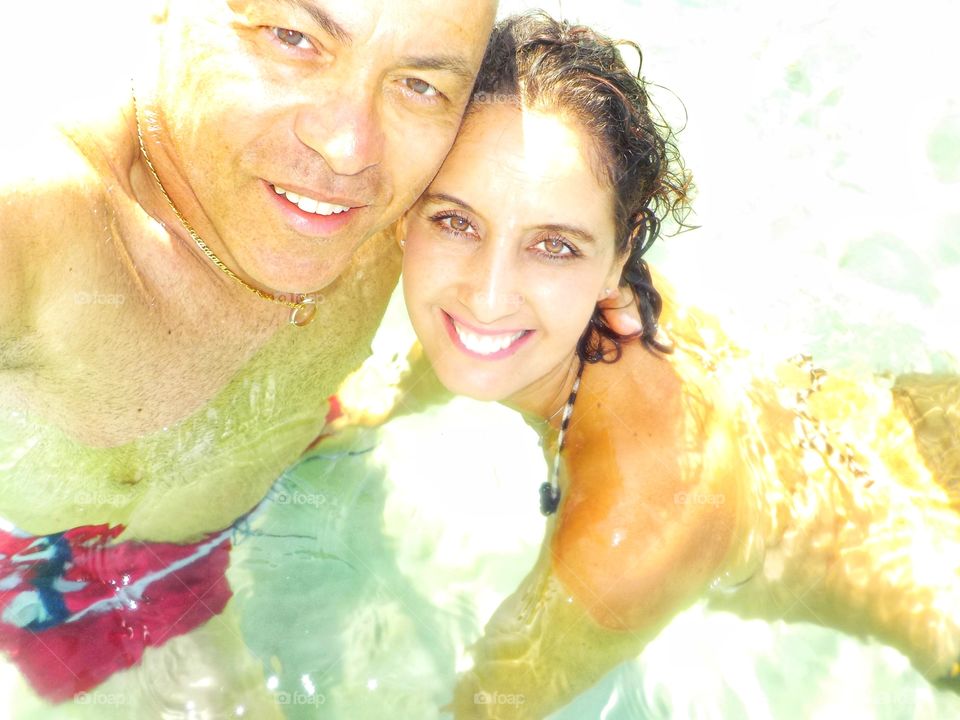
pixel 612 281
pixel 400 231
pixel 618 303
pixel 620 310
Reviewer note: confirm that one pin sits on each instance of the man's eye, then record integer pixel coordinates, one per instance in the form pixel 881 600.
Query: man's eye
pixel 420 87
pixel 293 38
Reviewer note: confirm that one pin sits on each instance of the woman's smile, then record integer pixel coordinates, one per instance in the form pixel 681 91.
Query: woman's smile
pixel 486 344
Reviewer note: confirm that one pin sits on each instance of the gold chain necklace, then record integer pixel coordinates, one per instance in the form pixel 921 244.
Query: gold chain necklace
pixel 302 311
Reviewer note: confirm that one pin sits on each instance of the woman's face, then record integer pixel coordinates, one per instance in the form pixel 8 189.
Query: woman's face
pixel 508 252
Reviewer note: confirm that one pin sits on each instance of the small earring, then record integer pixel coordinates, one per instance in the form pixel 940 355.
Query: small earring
pixel 606 292
pixel 401 241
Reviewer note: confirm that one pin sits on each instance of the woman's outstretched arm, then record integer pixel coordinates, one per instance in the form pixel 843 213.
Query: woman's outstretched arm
pixel 640 536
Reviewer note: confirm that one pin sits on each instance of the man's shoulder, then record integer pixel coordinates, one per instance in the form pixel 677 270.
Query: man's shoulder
pixel 50 192
pixel 68 118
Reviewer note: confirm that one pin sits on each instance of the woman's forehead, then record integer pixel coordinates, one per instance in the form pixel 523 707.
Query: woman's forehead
pixel 526 163
pixel 533 145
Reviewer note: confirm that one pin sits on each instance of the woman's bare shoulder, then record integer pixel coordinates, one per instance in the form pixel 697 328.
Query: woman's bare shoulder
pixel 642 529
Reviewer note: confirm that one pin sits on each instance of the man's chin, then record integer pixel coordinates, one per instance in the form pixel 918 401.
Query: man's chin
pixel 297 273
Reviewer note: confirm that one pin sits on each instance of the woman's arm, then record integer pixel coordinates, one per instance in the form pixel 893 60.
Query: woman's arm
pixel 640 535
pixel 548 643
pixel 539 651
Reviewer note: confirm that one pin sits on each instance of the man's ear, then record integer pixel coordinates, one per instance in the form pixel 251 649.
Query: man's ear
pixel 158 11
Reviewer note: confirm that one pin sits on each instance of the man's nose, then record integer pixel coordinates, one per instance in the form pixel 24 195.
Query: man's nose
pixel 491 285
pixel 347 132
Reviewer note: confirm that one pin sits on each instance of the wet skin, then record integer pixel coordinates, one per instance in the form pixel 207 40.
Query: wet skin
pixel 139 384
pixel 500 278
pixel 685 475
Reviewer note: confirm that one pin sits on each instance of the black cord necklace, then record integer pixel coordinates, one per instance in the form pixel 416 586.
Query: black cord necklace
pixel 550 490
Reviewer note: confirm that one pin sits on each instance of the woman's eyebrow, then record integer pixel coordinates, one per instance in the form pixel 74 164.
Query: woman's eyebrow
pixel 578 232
pixel 439 197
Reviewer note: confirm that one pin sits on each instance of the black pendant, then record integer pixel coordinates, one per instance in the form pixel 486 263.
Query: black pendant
pixel 549 499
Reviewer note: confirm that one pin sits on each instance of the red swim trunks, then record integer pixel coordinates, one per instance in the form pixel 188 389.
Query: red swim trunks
pixel 76 607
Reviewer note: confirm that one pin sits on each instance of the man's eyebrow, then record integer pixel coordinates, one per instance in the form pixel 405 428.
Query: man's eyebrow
pixel 448 63
pixel 322 18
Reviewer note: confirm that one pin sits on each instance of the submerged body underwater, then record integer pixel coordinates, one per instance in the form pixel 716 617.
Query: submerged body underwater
pixel 829 227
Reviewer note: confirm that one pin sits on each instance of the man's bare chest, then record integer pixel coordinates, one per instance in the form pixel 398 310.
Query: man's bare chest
pixel 124 404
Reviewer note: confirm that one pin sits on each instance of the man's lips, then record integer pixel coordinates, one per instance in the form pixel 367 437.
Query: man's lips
pixel 311 215
pixel 484 343
pixel 328 204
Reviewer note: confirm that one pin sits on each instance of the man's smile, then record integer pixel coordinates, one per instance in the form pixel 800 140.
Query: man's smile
pixel 312 215
pixel 310 205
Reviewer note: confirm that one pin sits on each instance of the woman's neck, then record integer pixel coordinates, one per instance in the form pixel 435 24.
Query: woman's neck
pixel 542 402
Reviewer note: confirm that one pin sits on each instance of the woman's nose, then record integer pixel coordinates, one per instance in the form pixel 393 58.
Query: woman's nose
pixel 491 288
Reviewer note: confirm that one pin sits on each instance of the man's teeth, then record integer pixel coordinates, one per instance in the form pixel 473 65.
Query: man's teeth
pixel 485 344
pixel 309 204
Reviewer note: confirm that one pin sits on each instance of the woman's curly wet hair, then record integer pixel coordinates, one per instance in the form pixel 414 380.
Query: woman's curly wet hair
pixel 551 65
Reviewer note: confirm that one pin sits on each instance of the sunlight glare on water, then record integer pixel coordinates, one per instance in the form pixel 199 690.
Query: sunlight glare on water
pixel 825 145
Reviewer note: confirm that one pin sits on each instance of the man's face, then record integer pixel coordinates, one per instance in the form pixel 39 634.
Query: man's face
pixel 302 127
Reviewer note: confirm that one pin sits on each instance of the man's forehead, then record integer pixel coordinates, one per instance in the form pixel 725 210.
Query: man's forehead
pixel 351 20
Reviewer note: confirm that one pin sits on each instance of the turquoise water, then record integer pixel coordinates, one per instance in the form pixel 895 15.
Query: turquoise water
pixel 826 149
pixel 826 146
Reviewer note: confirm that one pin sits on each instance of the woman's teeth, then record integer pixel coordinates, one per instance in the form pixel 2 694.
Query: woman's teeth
pixel 485 344
pixel 309 204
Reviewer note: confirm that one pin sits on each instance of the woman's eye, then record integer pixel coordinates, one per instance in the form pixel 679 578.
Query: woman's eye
pixel 293 38
pixel 420 87
pixel 459 224
pixel 555 247
pixel 453 223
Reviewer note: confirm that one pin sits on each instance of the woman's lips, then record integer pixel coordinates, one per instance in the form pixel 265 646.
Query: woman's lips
pixel 485 345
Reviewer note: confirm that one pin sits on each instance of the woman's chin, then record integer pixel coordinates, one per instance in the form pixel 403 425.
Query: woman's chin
pixel 474 388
